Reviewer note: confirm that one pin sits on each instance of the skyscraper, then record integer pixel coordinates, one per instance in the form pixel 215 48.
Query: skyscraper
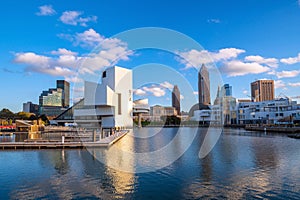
pixel 226 90
pixel 204 86
pixel 262 90
pixel 65 86
pixel 55 100
pixel 176 99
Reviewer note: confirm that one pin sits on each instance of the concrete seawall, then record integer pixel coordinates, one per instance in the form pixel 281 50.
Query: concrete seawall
pixel 48 144
pixel 275 129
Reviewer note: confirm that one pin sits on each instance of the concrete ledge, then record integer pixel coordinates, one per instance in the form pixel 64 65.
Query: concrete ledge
pixel 58 145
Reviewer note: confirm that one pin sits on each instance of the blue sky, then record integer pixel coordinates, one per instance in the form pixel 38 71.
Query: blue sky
pixel 42 41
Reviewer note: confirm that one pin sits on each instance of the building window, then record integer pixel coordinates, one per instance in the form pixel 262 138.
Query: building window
pixel 119 104
pixel 104 74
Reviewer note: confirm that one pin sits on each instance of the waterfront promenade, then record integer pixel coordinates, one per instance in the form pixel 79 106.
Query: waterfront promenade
pixel 59 144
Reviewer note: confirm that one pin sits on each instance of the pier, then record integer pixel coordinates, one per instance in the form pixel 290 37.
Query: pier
pixel 61 144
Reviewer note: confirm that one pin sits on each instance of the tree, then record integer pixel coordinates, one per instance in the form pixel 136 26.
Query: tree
pixel 44 118
pixel 6 114
pixel 33 117
pixel 23 115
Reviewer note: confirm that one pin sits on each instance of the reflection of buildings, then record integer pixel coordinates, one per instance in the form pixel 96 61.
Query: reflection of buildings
pixel 30 107
pixel 176 99
pixel 53 102
pixel 204 86
pixel 262 90
pixel 109 104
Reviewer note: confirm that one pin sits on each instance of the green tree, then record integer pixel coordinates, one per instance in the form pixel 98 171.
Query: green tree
pixel 23 115
pixel 44 118
pixel 6 114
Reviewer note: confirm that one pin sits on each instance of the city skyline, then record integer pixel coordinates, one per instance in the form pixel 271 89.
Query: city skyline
pixel 47 41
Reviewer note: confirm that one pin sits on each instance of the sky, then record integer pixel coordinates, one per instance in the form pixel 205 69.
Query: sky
pixel 240 42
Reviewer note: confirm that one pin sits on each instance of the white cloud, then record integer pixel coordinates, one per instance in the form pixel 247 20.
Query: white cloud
pixel 239 68
pixel 155 90
pixel 271 62
pixel 74 79
pixel 288 74
pixel 291 60
pixel 279 84
pixel 245 91
pixel 31 58
pixel 167 85
pixel 294 84
pixel 73 18
pixel 214 21
pixel 46 10
pixel 195 92
pixel 66 63
pixel 139 92
pixel 195 58
pixel 88 38
pixel 181 97
pixel 63 51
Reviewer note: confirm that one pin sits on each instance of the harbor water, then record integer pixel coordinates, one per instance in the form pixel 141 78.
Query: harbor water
pixel 242 165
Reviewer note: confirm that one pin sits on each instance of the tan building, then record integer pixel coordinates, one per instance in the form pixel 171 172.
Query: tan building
pixel 204 86
pixel 156 112
pixel 262 90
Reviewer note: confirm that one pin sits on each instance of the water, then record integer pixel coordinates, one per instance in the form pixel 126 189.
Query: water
pixel 242 165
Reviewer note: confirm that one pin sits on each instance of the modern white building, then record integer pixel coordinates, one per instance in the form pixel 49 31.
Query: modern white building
pixel 108 104
pixel 267 112
pixel 208 116
pixel 141 110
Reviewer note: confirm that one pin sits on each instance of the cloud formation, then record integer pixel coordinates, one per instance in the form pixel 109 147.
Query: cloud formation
pixel 195 58
pixel 291 60
pixel 287 74
pixel 157 90
pixel 271 62
pixel 66 63
pixel 279 84
pixel 46 10
pixel 239 68
pixel 74 18
pixel 294 84
pixel 214 21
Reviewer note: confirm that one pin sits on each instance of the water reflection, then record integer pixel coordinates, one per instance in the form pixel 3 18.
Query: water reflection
pixel 240 166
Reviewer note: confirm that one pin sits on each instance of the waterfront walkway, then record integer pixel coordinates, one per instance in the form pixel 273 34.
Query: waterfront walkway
pixel 44 144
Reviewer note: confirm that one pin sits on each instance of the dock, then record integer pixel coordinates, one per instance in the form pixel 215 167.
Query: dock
pixel 48 144
pixel 274 129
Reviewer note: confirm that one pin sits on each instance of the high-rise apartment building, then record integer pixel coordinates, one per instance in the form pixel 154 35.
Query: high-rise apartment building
pixel 204 86
pixel 30 107
pixel 65 86
pixel 53 101
pixel 226 90
pixel 176 99
pixel 262 90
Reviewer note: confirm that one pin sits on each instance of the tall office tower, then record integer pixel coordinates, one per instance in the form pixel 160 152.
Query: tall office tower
pixel 204 86
pixel 226 90
pixel 65 86
pixel 176 99
pixel 262 90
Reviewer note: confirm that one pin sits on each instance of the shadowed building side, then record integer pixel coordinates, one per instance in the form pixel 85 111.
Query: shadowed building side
pixel 204 86
pixel 176 99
